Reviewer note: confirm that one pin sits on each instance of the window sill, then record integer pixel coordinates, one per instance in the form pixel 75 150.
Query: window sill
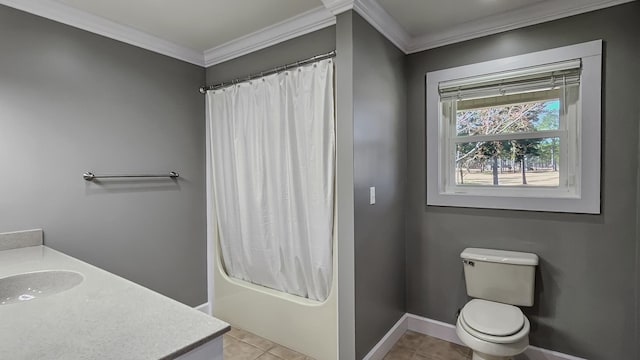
pixel 569 203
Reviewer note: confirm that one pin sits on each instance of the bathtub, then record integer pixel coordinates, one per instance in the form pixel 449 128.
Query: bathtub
pixel 304 325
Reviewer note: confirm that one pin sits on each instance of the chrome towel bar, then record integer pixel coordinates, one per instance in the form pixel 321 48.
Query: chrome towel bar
pixel 89 176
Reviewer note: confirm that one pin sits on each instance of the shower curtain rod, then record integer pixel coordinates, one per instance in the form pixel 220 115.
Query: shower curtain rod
pixel 278 69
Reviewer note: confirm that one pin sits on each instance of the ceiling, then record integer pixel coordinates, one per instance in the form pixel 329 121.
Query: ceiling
pixel 419 17
pixel 208 32
pixel 196 24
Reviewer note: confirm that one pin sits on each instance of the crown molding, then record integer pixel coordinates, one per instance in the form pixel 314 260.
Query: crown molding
pixel 375 15
pixel 83 20
pixel 310 21
pixel 530 15
pixel 304 23
pixel 338 6
pixel 380 19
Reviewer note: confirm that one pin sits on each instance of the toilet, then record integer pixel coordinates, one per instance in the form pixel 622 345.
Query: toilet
pixel 499 281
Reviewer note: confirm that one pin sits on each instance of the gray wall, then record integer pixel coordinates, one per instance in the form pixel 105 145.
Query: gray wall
pixel 586 284
pixel 72 101
pixel 379 137
pixel 299 48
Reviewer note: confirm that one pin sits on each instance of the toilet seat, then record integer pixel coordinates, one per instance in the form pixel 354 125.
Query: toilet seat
pixel 493 318
pixel 493 347
pixel 494 322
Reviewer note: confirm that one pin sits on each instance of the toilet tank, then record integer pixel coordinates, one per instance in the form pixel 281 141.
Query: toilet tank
pixel 497 275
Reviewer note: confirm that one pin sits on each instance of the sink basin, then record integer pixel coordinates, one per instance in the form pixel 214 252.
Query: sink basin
pixel 36 285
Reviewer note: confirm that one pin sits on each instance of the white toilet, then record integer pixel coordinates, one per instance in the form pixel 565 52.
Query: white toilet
pixel 490 324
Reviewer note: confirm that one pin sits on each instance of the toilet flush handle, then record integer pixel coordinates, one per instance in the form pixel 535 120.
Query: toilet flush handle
pixel 468 262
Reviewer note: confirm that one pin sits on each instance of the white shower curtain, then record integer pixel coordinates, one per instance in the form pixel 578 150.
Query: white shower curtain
pixel 272 143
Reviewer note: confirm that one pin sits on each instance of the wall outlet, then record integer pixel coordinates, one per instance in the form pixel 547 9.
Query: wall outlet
pixel 372 195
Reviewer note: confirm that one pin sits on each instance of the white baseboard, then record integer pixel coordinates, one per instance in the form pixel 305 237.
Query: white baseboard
pixel 437 329
pixel 434 328
pixel 388 340
pixel 204 308
pixel 447 332
pixel 536 353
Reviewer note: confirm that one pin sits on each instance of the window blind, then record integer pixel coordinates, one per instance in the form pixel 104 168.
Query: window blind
pixel 527 80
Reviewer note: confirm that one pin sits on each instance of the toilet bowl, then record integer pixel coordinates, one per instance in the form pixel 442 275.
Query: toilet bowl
pixel 491 324
pixel 493 330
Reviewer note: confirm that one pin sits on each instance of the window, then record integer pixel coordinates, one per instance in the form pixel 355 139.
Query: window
pixel 517 133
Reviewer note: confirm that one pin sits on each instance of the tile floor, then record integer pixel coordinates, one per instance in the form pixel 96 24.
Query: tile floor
pixel 416 346
pixel 243 345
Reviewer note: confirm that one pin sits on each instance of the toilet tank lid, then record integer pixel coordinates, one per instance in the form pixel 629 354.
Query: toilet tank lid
pixel 500 256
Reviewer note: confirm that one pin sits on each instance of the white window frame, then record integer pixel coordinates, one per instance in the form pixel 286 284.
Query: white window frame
pixel 584 195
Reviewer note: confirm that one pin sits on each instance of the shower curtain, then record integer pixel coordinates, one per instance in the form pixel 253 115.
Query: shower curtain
pixel 272 143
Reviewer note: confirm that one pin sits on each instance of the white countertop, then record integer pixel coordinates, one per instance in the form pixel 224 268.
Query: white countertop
pixel 105 317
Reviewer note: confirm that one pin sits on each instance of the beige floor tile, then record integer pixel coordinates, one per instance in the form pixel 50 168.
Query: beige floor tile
pixel 436 349
pixel 411 340
pixel 235 349
pixel 227 339
pixel 255 340
pixel 267 356
pixel 286 354
pixel 236 333
pixel 399 352
pixel 251 338
pixel 416 346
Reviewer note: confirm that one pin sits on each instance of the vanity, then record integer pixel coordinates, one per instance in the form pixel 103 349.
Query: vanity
pixel 53 306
